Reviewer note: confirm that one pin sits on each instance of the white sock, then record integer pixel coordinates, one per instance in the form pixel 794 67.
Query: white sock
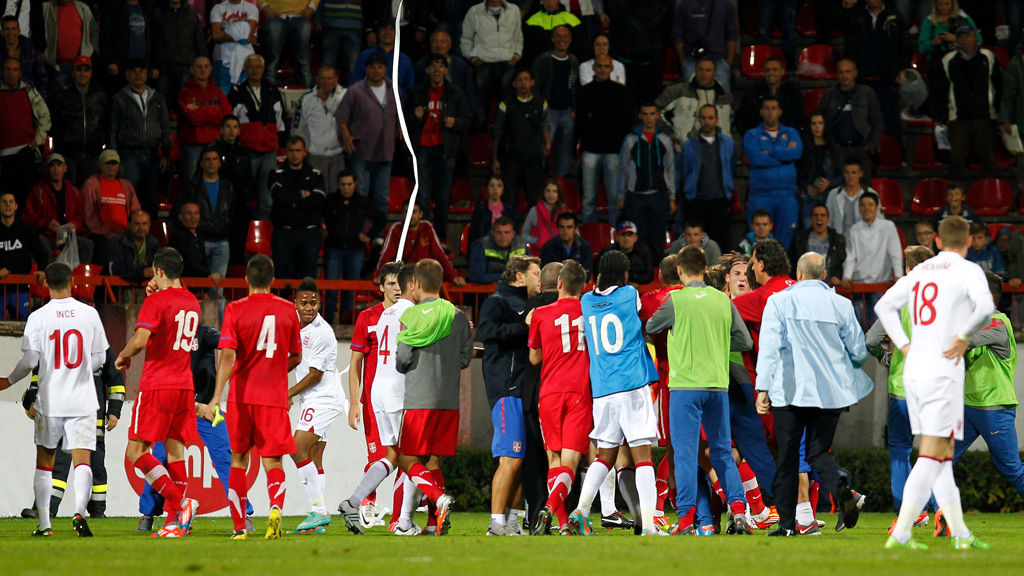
pixel 497 520
pixel 947 496
pixel 804 514
pixel 916 493
pixel 42 484
pixel 378 471
pixel 627 487
pixel 607 492
pixel 311 485
pixel 512 516
pixel 647 494
pixel 598 474
pixel 83 487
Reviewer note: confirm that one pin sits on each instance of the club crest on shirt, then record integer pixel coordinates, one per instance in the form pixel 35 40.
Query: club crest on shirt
pixel 517 447
pixel 195 344
pixel 372 447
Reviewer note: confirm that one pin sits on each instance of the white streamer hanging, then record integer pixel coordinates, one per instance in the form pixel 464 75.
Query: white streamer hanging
pixel 396 54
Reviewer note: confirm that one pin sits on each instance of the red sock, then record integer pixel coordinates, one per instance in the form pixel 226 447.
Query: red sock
pixel 178 474
pixel 161 481
pixel 753 491
pixel 438 478
pixel 431 506
pixel 716 487
pixel 814 497
pixel 717 507
pixel 687 519
pixel 425 480
pixel 559 484
pixel 738 507
pixel 238 497
pixel 661 480
pixel 670 498
pixel 275 487
pixel 396 509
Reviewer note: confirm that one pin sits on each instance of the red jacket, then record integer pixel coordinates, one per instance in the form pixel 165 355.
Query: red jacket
pixel 751 308
pixel 423 243
pixel 201 124
pixel 649 304
pixel 41 208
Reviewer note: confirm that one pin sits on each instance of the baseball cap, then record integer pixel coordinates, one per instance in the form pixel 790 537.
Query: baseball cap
pixel 54 158
pixel 625 226
pixel 965 27
pixel 109 155
pixel 82 61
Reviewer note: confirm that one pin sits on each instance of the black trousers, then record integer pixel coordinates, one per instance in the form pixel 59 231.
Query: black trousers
pixel 527 172
pixel 965 135
pixel 19 174
pixel 790 424
pixel 535 466
pixel 716 217
pixel 62 469
pixel 650 214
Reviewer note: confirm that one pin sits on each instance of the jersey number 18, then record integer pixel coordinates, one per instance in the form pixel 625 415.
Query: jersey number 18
pixel 924 302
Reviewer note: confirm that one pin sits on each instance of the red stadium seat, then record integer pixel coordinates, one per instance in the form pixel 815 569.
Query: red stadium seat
pixel 83 291
pixel 929 196
pixel 811 99
pixel 161 230
pixel 461 200
pixel 464 241
pixel 737 208
pixel 994 229
pixel 175 153
pixel 480 150
pixel 570 193
pixel 927 155
pixel 990 197
pixel 1004 160
pixel 599 234
pixel 890 154
pixel 671 70
pixel 399 190
pixel 890 194
pixel 903 239
pixel 754 57
pixel 1002 56
pixel 258 239
pixel 817 61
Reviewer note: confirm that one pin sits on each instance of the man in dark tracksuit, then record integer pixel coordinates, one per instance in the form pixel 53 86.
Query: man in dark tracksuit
pixel 647 179
pixel 521 143
pixel 110 392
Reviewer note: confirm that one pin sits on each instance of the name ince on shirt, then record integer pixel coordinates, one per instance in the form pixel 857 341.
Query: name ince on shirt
pixel 65 313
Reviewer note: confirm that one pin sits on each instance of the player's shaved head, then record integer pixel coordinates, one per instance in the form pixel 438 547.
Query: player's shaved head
pixel 58 276
pixel 549 276
pixel 810 266
pixel 429 274
pixel 914 255
pixel 954 232
pixel 572 275
pixel 669 275
pixel 691 262
pixel 389 269
pixel 259 272
pixel 613 270
pixel 169 261
pixel 404 277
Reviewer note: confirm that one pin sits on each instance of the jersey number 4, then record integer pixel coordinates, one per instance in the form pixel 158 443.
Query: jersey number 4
pixel 268 331
pixel 924 303
pixel 188 324
pixel 62 349
pixel 562 322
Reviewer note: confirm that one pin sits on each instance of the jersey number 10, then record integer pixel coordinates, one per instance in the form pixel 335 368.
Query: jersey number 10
pixel 62 349
pixel 601 339
pixel 924 302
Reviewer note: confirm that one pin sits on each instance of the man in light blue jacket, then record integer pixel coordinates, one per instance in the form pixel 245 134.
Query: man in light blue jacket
pixel 773 151
pixel 808 373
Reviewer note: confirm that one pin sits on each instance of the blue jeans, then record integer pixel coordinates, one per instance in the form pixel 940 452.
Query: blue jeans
pixel 217 255
pixel 997 428
pixel 190 156
pixel 17 301
pixel 748 434
pixel 785 211
pixel 60 77
pixel 597 169
pixel 341 50
pixel 341 265
pixel 436 174
pixel 864 308
pixel 142 169
pixel 722 72
pixel 372 179
pixel 786 10
pixel 491 76
pixel 687 410
pixel 263 163
pixel 295 252
pixel 293 32
pixel 560 127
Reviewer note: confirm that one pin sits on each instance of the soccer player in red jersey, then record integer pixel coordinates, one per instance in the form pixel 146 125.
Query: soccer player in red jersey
pixel 362 369
pixel 260 344
pixel 565 405
pixel 165 409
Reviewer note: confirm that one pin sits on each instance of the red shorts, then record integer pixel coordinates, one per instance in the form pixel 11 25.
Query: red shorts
pixel 267 428
pixel 566 421
pixel 429 432
pixel 664 430
pixel 159 415
pixel 374 450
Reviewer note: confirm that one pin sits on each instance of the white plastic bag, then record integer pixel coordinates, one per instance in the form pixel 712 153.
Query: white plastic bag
pixel 69 254
pixel 942 136
pixel 1012 141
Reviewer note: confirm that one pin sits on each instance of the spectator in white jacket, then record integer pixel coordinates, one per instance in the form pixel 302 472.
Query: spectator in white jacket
pixel 492 40
pixel 314 121
pixel 874 254
pixel 843 202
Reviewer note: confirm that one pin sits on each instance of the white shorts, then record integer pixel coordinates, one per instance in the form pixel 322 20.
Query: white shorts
pixel 389 427
pixel 317 419
pixel 935 406
pixel 625 416
pixel 78 432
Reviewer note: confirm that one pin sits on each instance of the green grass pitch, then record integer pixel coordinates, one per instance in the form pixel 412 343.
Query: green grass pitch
pixel 118 550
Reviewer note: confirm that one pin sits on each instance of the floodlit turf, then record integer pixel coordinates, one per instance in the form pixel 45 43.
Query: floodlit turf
pixel 119 550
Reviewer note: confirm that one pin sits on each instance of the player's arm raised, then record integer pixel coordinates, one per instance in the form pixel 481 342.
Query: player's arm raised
pixel 355 372
pixel 134 346
pixel 28 361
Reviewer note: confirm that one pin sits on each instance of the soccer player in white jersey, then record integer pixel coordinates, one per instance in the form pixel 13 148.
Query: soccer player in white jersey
pixel 387 397
pixel 66 339
pixel 320 401
pixel 948 299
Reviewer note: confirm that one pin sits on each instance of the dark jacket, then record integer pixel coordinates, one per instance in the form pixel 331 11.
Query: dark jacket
pixel 898 47
pixel 641 265
pixel 487 261
pixel 204 370
pixel 290 209
pixel 543 75
pixel 833 260
pixel 867 114
pixel 503 330
pixel 790 99
pixel 639 30
pixel 33 69
pixel 19 247
pixel 647 165
pixel 121 254
pixel 969 88
pixel 519 128
pixel 581 251
pixel 212 226
pixel 603 116
pixel 829 166
pixel 41 208
pixel 480 221
pixel 181 35
pixel 458 74
pixel 347 218
pixel 453 105
pixel 115 35
pixel 236 166
pixel 193 252
pixel 531 375
pixel 79 120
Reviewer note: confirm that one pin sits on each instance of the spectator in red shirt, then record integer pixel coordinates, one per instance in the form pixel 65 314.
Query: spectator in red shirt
pixel 54 209
pixel 107 200
pixel 71 31
pixel 421 242
pixel 203 106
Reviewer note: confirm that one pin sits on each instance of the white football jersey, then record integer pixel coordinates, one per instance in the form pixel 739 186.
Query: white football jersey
pixel 65 333
pixel 320 351
pixel 946 296
pixel 388 392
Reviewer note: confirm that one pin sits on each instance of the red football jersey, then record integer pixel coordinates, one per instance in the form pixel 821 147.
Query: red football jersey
pixel 172 316
pixel 364 339
pixel 649 304
pixel 557 329
pixel 262 329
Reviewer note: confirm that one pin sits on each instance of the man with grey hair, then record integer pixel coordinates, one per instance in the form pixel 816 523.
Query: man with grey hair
pixel 808 373
pixel 256 102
